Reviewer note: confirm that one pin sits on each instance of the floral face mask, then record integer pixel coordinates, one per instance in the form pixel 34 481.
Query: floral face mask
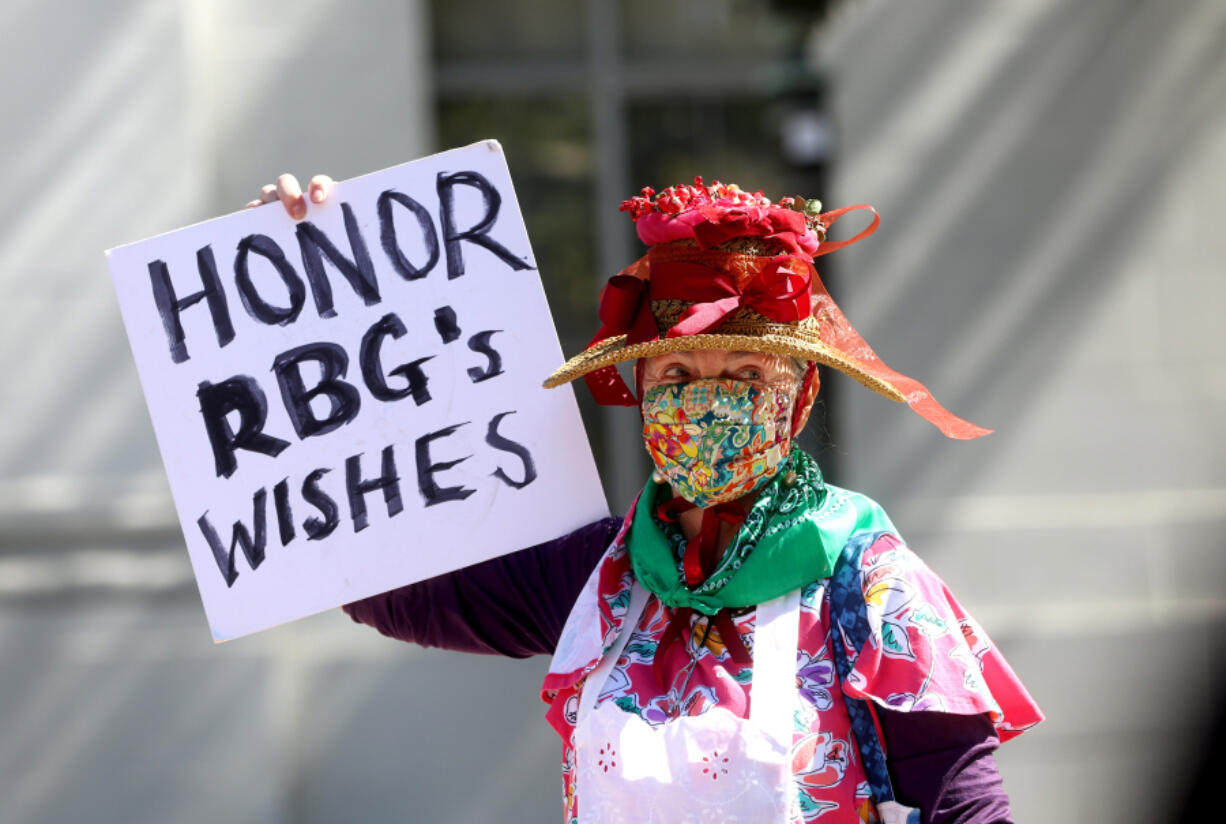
pixel 714 440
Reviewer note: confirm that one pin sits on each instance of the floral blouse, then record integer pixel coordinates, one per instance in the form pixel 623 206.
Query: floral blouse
pixel 924 653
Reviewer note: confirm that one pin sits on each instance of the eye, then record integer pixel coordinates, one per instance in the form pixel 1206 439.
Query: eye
pixel 749 373
pixel 675 372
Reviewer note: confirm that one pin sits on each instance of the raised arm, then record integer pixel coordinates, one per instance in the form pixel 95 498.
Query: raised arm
pixel 513 605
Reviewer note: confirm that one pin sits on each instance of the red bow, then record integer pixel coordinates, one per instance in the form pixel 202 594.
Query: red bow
pixel 779 292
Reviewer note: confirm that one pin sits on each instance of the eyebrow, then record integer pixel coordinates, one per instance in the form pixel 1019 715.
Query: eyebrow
pixel 750 358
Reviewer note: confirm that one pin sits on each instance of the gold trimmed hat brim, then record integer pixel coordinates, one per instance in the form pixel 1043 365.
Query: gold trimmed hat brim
pixel 796 344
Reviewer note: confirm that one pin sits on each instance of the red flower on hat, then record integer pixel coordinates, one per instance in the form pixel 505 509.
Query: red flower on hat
pixel 713 215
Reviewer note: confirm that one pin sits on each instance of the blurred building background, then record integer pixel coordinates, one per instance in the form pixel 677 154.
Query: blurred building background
pixel 1050 263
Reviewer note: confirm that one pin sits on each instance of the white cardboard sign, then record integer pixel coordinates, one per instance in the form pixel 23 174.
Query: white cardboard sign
pixel 353 402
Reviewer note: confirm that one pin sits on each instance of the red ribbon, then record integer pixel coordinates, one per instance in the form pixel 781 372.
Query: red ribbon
pixel 780 292
pixel 723 224
pixel 828 220
pixel 624 310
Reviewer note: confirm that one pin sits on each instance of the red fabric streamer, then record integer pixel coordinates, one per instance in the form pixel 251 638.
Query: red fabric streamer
pixel 838 334
pixel 624 310
pixel 828 219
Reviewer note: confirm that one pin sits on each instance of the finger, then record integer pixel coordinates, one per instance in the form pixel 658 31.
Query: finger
pixel 268 193
pixel 290 194
pixel 254 203
pixel 319 188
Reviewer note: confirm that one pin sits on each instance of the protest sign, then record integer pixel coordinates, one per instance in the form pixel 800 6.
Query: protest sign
pixel 352 402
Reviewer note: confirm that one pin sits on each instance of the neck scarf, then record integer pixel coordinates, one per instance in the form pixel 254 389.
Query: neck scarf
pixel 791 537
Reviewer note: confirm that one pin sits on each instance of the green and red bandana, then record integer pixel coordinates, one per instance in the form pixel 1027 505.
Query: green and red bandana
pixel 792 536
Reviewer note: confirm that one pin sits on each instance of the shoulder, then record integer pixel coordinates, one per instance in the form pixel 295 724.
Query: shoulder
pixel 871 546
pixel 879 579
pixel 887 558
pixel 912 645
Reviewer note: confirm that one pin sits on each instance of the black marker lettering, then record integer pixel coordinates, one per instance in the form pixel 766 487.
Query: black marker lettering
pixel 285 516
pixel 317 529
pixel 480 343
pixel 391 326
pixel 170 306
pixel 239 394
pixel 256 306
pixel 360 272
pixel 445 324
pixel 431 492
pixel 343 397
pixel 477 233
pixel 253 548
pixel 389 482
pixel 391 244
pixel 498 441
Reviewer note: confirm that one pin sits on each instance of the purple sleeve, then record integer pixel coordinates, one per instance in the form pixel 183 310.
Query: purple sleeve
pixel 513 605
pixel 943 764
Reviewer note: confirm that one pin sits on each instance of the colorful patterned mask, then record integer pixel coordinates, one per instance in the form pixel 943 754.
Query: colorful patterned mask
pixel 716 440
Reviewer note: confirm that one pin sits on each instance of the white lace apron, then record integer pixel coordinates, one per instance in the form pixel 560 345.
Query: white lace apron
pixel 709 767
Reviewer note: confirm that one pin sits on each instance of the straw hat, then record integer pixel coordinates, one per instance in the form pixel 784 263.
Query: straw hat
pixel 728 270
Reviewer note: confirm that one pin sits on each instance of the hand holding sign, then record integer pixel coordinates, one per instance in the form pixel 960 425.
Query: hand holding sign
pixel 289 192
pixel 389 348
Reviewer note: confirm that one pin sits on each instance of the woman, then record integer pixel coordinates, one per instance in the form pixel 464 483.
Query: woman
pixel 750 643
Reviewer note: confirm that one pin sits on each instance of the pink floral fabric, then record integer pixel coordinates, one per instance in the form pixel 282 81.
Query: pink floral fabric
pixel 925 653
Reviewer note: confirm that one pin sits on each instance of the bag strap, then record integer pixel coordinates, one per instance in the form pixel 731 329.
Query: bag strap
pixel 849 626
